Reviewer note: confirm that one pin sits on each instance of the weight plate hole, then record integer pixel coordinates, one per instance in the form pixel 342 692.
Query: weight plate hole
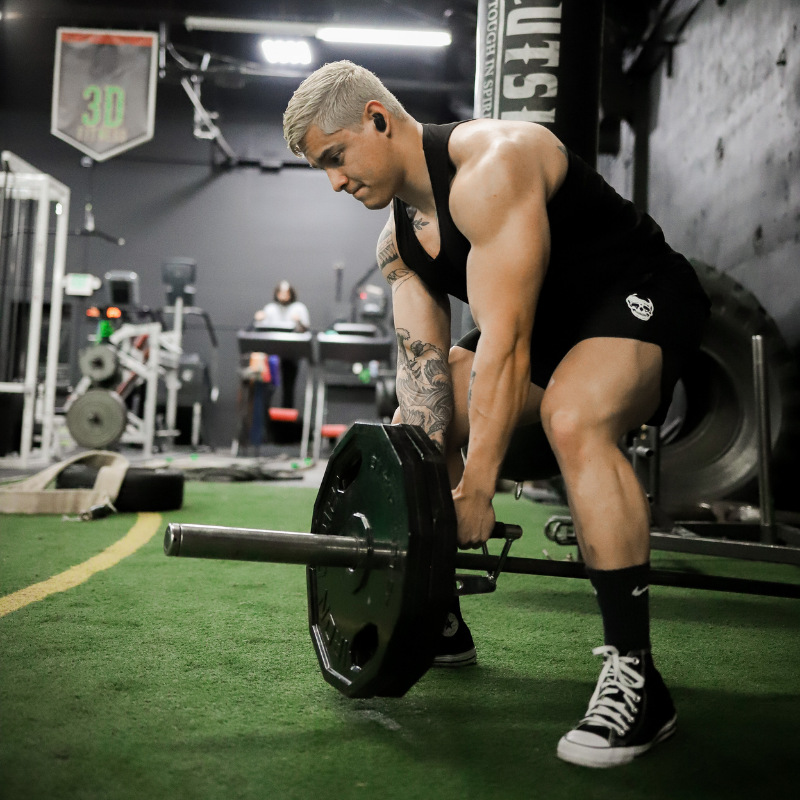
pixel 364 646
pixel 349 473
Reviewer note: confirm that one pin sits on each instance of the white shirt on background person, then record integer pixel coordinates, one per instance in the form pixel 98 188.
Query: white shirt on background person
pixel 275 312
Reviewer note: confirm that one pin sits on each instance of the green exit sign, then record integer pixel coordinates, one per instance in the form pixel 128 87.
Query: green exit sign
pixel 104 89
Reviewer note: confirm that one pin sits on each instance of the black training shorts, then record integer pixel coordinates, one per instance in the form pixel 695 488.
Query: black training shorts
pixel 665 307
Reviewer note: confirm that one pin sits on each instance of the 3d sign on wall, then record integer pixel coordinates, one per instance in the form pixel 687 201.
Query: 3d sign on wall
pixel 104 89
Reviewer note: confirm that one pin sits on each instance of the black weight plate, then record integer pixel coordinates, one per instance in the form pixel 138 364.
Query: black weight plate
pixel 443 519
pixel 375 631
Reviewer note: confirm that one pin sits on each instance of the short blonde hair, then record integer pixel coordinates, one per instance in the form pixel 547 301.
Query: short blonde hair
pixel 333 98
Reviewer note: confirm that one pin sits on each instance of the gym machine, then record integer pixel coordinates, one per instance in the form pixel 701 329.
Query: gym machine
pixel 285 342
pixel 104 409
pixel 347 344
pixel 186 382
pixel 129 352
pixel 30 198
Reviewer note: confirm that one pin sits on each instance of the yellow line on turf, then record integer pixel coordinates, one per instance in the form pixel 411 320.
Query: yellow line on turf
pixel 141 533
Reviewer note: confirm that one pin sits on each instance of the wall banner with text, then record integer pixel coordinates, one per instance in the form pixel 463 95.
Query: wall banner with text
pixel 104 89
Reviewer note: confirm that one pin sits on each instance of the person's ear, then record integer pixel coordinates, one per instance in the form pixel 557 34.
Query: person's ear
pixel 376 114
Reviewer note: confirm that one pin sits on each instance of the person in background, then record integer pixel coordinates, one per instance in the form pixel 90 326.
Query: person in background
pixel 285 307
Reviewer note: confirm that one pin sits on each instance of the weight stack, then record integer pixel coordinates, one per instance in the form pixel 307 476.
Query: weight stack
pixel 539 61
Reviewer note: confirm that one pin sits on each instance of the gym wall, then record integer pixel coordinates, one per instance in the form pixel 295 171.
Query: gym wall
pixel 724 180
pixel 247 229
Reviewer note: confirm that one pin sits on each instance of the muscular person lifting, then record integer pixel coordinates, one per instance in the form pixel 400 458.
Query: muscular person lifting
pixel 583 315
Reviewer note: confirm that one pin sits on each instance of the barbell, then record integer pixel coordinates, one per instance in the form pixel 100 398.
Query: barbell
pixel 381 560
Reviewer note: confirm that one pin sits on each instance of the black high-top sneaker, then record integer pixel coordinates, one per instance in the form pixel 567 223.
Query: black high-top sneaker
pixel 630 711
pixel 455 648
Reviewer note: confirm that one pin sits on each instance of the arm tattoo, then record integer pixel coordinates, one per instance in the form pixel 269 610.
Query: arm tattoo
pixel 563 150
pixel 419 223
pixel 416 221
pixel 387 252
pixel 424 386
pixel 399 276
pixel 469 393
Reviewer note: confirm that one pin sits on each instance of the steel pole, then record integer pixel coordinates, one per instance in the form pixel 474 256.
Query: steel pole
pixel 765 499
pixel 658 577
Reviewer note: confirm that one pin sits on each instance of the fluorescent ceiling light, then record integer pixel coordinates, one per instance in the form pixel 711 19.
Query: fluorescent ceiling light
pixel 269 27
pixel 380 36
pixel 407 38
pixel 283 51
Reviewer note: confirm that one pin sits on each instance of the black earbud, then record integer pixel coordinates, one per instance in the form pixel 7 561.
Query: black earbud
pixel 380 122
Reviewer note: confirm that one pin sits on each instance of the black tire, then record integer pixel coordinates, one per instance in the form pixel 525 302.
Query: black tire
pixel 713 453
pixel 142 489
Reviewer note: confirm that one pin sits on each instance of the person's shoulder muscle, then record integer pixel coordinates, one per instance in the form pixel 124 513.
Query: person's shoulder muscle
pixel 507 156
pixel 504 173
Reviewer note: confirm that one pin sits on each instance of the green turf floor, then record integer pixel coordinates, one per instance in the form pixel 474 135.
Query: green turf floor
pixel 169 678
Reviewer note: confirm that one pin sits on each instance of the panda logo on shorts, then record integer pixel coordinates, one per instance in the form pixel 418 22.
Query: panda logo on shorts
pixel 641 308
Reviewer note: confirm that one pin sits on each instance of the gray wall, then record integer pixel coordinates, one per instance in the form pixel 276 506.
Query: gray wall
pixel 725 149
pixel 247 229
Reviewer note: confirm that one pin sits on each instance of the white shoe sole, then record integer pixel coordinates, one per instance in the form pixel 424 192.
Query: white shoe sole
pixel 457 659
pixel 601 757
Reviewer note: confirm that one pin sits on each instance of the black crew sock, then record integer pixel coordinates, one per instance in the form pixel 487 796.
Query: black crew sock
pixel 455 607
pixel 623 596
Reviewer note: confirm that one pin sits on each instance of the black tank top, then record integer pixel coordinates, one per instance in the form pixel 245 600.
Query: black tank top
pixel 596 236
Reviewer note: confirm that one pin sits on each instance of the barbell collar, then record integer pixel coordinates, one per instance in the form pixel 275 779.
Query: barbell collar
pixel 284 547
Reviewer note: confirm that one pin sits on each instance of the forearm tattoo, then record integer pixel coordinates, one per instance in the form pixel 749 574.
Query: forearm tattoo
pixel 469 393
pixel 424 386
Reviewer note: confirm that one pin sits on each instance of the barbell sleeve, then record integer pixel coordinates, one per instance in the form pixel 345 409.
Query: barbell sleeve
pixel 284 547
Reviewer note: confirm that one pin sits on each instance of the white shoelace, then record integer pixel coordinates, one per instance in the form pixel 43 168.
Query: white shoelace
pixel 615 698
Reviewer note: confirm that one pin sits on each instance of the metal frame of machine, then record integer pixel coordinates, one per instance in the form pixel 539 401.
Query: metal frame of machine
pixel 22 181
